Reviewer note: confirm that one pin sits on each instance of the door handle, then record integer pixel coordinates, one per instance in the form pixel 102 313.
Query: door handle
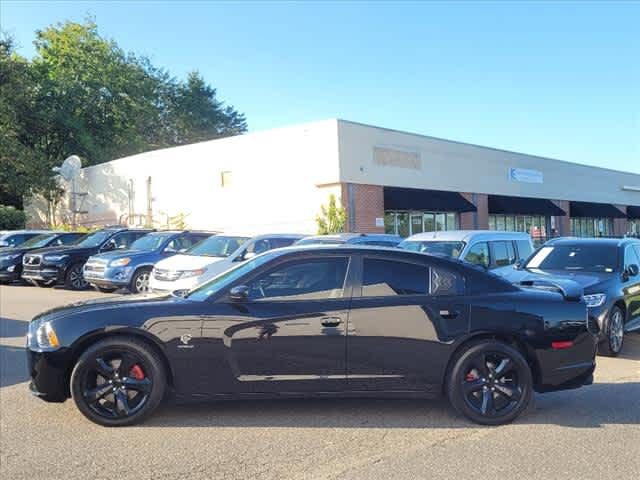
pixel 330 321
pixel 449 314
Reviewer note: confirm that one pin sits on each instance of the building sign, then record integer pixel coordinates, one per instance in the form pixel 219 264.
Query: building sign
pixel 379 222
pixel 525 175
pixel 387 157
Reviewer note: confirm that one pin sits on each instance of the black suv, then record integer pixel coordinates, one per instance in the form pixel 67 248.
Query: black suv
pixel 608 271
pixel 63 265
pixel 11 257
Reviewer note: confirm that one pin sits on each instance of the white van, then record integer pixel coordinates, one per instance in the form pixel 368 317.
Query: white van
pixel 211 257
pixel 488 248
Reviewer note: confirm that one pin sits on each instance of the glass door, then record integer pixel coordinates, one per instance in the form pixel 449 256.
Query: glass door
pixel 416 223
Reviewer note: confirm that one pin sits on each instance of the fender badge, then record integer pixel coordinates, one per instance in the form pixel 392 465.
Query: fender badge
pixel 185 338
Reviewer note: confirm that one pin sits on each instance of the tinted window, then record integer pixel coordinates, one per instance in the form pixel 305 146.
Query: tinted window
pixel 217 246
pixel 593 258
pixel 504 253
pixel 445 282
pixel 39 241
pixel 447 249
pixel 124 239
pixel 388 277
pixel 70 238
pixel 95 239
pixel 281 242
pixel 524 249
pixel 379 243
pixel 150 242
pixel 178 244
pixel 478 254
pixel 19 239
pixel 304 280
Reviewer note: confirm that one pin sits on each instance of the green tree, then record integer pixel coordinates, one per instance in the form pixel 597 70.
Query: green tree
pixel 332 218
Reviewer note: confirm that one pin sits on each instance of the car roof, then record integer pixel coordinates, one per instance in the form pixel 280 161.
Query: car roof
pixel 250 236
pixel 468 235
pixel 345 237
pixel 593 241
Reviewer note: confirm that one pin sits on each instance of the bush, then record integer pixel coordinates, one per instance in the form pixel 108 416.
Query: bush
pixel 11 218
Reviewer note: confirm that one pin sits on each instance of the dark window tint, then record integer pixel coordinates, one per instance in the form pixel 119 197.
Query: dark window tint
pixel 306 280
pixel 388 277
pixel 18 239
pixel 125 239
pixel 179 244
pixel 445 282
pixel 504 253
pixel 478 254
pixel 281 242
pixel 379 243
pixel 524 249
pixel 69 238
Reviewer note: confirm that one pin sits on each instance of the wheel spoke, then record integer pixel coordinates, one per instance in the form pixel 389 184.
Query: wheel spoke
pixel 104 369
pixel 122 404
pixel 127 361
pixel 97 393
pixel 143 386
pixel 503 367
pixel 511 392
pixel 487 407
pixel 482 366
pixel 473 386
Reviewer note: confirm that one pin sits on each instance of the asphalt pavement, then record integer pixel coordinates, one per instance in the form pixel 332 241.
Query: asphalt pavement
pixel 590 433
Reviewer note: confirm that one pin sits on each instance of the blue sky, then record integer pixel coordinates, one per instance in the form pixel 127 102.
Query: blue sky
pixel 553 79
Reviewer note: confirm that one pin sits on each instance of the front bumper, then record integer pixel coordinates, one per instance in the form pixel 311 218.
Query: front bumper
pixel 109 276
pixel 49 374
pixel 43 273
pixel 162 286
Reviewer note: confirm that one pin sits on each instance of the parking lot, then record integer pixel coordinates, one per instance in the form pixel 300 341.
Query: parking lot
pixel 593 432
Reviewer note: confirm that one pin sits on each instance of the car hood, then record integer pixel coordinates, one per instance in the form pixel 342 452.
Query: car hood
pixel 187 262
pixel 11 250
pixel 587 280
pixel 70 250
pixel 103 304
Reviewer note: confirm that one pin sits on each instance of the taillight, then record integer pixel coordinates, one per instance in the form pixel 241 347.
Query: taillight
pixel 561 345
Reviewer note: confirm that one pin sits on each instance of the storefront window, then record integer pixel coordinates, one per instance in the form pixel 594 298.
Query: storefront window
pixel 409 223
pixel 536 226
pixel 592 227
pixel 634 227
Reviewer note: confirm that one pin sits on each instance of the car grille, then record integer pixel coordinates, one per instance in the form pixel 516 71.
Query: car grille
pixel 31 260
pixel 165 275
pixel 95 266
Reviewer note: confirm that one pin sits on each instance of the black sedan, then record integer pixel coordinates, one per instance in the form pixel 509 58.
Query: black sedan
pixel 607 269
pixel 319 321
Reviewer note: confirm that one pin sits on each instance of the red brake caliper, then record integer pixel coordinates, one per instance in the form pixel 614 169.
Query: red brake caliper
pixel 471 376
pixel 136 372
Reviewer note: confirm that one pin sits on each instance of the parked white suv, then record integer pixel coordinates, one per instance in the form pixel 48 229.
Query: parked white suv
pixel 488 248
pixel 211 257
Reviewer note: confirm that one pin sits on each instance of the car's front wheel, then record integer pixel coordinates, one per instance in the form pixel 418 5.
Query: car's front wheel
pixel 74 279
pixel 490 382
pixel 118 382
pixel 614 333
pixel 140 281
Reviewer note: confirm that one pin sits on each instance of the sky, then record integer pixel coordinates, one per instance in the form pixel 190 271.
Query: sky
pixel 560 80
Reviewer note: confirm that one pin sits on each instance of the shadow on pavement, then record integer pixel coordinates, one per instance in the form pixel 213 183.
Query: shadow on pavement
pixel 590 407
pixel 13 366
pixel 13 328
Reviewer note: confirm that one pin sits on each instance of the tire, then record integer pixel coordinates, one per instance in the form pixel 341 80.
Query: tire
pixel 105 289
pixel 73 279
pixel 140 280
pixel 132 395
pixel 611 346
pixel 478 393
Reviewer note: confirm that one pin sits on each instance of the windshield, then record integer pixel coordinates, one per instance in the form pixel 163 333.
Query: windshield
pixel 320 241
pixel 226 278
pixel 590 258
pixel 39 241
pixel 95 239
pixel 151 241
pixel 448 249
pixel 218 246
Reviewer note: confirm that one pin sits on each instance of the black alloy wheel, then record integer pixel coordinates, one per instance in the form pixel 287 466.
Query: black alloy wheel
pixel 490 383
pixel 614 333
pixel 74 279
pixel 118 382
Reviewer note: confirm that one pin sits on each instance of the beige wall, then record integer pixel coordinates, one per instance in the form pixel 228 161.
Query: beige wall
pixel 446 165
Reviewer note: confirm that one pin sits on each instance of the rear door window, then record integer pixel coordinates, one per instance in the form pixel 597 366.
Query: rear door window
pixel 478 254
pixel 503 253
pixel 382 278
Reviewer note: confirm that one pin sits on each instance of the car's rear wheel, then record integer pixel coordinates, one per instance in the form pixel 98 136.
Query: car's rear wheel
pixel 118 382
pixel 614 333
pixel 74 280
pixel 140 281
pixel 490 382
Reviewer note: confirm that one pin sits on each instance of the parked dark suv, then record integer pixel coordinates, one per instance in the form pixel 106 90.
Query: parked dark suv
pixel 11 257
pixel 607 269
pixel 63 265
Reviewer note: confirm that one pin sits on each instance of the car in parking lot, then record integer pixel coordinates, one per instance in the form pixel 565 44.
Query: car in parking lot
pixel 486 248
pixel 608 271
pixel 14 238
pixel 11 257
pixel 305 321
pixel 379 239
pixel 131 268
pixel 63 264
pixel 211 257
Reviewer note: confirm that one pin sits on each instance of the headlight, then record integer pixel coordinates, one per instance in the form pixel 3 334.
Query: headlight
pixel 595 300
pixel 121 262
pixel 46 336
pixel 54 258
pixel 192 273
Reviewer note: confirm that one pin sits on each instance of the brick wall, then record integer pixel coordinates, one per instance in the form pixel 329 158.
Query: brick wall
pixel 478 220
pixel 364 203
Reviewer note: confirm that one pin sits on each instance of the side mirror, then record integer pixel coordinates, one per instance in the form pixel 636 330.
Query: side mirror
pixel 239 293
pixel 109 246
pixel 519 265
pixel 632 270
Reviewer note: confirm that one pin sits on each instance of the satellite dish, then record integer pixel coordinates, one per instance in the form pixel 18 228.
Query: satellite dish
pixel 70 168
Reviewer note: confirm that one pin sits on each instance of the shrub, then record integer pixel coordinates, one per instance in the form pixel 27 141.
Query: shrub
pixel 332 218
pixel 11 218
